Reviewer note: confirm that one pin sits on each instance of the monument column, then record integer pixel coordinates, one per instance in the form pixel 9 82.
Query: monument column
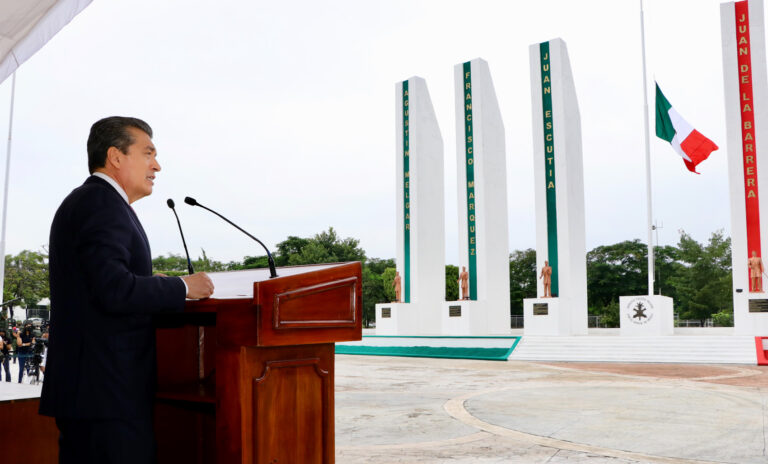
pixel 420 210
pixel 559 196
pixel 482 206
pixel 746 112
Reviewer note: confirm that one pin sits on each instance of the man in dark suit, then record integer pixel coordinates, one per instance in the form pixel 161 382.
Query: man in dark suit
pixel 100 375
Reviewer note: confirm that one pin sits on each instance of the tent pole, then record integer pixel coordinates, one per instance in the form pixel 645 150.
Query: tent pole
pixel 5 194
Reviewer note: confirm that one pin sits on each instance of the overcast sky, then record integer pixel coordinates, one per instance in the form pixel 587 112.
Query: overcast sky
pixel 280 115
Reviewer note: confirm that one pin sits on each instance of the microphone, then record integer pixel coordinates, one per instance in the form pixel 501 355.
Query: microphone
pixel 272 273
pixel 171 205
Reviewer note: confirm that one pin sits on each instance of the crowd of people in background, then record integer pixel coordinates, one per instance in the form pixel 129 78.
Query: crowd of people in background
pixel 25 345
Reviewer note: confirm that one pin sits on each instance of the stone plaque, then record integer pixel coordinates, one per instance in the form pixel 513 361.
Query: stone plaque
pixel 758 305
pixel 386 312
pixel 454 311
pixel 540 309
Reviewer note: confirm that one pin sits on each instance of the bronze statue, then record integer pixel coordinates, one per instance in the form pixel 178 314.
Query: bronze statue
pixel 396 283
pixel 756 273
pixel 546 274
pixel 464 283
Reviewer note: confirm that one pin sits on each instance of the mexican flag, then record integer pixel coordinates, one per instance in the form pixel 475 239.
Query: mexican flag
pixel 687 141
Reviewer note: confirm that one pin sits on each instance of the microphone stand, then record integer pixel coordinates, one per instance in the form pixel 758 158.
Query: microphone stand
pixel 189 262
pixel 272 272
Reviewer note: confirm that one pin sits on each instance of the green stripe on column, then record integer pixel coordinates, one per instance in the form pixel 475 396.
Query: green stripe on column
pixel 549 164
pixel 470 156
pixel 406 199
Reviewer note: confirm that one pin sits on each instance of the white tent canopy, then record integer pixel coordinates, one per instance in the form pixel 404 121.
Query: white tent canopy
pixel 27 25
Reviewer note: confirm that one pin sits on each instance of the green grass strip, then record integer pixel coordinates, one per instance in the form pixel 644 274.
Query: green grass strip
pixel 489 354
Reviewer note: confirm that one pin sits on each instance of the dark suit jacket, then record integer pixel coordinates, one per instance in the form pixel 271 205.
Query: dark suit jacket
pixel 101 359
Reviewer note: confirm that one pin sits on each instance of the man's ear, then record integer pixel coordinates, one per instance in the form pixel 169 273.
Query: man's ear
pixel 113 157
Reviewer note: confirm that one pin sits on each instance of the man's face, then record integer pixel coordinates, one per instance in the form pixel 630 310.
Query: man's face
pixel 138 166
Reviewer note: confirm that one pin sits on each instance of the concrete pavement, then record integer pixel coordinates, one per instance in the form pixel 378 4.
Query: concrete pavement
pixel 417 410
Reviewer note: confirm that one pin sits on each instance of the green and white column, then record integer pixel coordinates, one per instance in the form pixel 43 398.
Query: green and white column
pixel 559 195
pixel 482 205
pixel 420 217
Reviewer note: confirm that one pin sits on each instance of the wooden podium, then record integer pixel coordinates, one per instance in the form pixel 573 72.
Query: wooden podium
pixel 247 376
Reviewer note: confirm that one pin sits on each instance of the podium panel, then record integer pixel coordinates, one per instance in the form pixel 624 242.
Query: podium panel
pixel 247 376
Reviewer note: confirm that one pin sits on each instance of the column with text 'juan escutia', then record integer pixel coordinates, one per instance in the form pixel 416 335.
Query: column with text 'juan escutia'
pixel 561 306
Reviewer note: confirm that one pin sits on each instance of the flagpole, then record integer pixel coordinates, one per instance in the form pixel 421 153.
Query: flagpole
pixel 5 195
pixel 647 158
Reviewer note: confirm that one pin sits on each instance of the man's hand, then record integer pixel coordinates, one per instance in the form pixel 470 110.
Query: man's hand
pixel 199 285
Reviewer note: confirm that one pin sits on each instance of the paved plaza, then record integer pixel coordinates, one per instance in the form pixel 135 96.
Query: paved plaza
pixel 420 410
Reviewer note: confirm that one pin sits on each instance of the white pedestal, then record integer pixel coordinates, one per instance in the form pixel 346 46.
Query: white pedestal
pixel 396 319
pixel 646 315
pixel 470 318
pixel 407 319
pixel 544 316
pixel 749 317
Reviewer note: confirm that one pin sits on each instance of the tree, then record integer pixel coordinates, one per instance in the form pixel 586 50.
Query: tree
pixel 373 292
pixel 387 278
pixel 26 277
pixel 616 270
pixel 176 265
pixel 451 283
pixel 522 278
pixel 375 288
pixel 325 247
pixel 704 281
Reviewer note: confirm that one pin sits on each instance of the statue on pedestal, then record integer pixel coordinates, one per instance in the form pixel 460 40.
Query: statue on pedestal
pixel 464 283
pixel 546 274
pixel 396 283
pixel 756 273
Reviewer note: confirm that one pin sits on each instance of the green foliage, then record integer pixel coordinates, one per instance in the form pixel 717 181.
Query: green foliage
pixel 176 265
pixel 378 265
pixel 26 277
pixel 451 283
pixel 704 282
pixel 609 314
pixel 723 318
pixel 615 270
pixel 696 276
pixel 374 287
pixel 522 278
pixel 289 247
pixel 387 279
pixel 373 292
pixel 667 265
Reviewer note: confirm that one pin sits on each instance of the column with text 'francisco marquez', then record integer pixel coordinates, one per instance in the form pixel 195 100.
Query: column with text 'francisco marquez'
pixel 483 307
pixel 420 259
pixel 746 112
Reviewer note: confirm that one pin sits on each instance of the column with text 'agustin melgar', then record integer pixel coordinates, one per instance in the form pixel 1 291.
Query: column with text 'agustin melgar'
pixel 420 237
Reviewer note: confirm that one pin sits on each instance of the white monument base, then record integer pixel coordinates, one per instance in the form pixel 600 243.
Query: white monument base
pixel 646 315
pixel 470 318
pixel 396 319
pixel 754 320
pixel 544 316
pixel 406 319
